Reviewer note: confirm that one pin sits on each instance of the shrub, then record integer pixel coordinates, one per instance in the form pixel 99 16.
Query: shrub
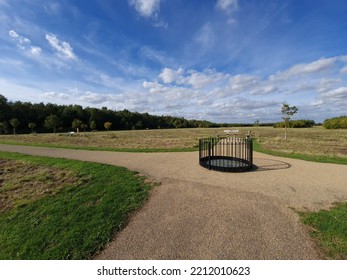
pixel 296 124
pixel 335 123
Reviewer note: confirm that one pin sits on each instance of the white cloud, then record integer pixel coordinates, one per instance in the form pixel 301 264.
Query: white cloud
pixel 150 85
pixel 35 50
pixel 56 95
pixel 242 82
pixel 24 43
pixel 146 8
pixel 63 49
pixel 94 98
pixel 213 95
pixel 209 78
pixel 169 75
pixel 227 5
pixel 338 93
pixel 306 69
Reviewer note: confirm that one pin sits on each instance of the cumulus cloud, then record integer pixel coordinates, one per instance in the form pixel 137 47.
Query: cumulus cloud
pixel 63 48
pixel 145 8
pixel 206 78
pixel 217 96
pixel 24 43
pixel 169 76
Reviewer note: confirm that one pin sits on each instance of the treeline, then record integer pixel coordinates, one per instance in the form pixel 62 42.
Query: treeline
pixel 336 123
pixel 296 124
pixel 26 117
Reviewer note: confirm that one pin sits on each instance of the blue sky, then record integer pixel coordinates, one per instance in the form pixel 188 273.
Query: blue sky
pixel 219 60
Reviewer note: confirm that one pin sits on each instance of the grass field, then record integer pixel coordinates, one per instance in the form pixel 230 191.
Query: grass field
pixel 63 209
pixel 315 141
pixel 33 219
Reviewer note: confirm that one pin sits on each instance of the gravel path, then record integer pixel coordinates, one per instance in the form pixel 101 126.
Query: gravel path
pixel 200 214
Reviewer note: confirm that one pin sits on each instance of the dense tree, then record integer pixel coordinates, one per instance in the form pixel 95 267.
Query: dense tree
pixel 41 114
pixel 4 109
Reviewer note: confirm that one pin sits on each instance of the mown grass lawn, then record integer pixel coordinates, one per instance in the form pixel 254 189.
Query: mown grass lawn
pixel 70 220
pixel 329 230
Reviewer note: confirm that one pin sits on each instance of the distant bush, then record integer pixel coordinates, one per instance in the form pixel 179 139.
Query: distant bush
pixel 336 123
pixel 296 124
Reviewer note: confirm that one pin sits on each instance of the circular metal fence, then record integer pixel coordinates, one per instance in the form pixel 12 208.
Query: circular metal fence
pixel 228 154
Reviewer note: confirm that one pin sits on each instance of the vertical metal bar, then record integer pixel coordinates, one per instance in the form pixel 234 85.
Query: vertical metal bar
pixel 200 150
pixel 251 151
pixel 209 154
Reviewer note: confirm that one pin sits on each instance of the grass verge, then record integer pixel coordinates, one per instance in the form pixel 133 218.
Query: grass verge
pixel 315 158
pixel 329 229
pixel 76 221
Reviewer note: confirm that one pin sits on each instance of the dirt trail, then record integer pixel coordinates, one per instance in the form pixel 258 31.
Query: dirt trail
pixel 200 214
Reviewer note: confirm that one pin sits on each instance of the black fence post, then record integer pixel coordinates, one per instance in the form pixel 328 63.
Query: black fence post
pixel 209 154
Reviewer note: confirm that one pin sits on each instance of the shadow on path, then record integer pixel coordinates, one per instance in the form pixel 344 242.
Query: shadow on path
pixel 265 164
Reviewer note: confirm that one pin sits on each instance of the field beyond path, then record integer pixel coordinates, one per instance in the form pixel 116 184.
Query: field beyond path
pixel 202 214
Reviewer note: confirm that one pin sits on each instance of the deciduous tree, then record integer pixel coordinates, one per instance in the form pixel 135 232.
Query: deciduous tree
pixel 15 123
pixel 51 122
pixel 32 126
pixel 107 125
pixel 77 124
pixel 287 113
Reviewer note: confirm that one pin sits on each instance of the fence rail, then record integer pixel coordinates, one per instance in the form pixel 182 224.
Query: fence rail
pixel 229 154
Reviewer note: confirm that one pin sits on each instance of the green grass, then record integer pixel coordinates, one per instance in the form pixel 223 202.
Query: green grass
pixel 329 229
pixel 78 220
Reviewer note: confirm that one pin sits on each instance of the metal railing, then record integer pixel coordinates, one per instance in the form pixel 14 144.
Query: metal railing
pixel 229 154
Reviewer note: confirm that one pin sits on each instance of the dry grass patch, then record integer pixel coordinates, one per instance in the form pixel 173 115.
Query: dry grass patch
pixel 23 182
pixel 315 141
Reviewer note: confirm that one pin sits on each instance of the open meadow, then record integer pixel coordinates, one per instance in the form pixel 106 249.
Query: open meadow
pixel 315 141
pixel 39 196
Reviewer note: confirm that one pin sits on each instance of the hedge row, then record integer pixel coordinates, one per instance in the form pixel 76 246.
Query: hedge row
pixel 336 123
pixel 296 124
